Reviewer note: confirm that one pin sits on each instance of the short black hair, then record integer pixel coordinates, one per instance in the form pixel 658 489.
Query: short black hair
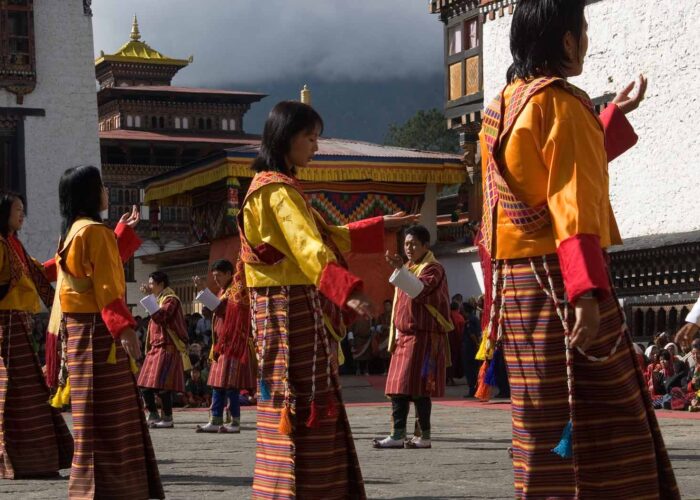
pixel 665 354
pixel 7 198
pixel 79 195
pixel 160 277
pixel 454 297
pixel 419 232
pixel 286 120
pixel 222 265
pixel 537 35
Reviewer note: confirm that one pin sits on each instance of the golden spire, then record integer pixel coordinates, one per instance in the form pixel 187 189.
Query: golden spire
pixel 135 34
pixel 306 95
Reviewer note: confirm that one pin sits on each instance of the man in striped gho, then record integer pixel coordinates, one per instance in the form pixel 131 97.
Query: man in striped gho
pixel 417 338
pixel 166 350
pixel 232 356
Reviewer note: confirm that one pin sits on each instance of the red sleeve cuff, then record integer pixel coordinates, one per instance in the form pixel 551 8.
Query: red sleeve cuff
pixel 619 134
pixel 50 269
pixel 583 267
pixel 117 317
pixel 337 284
pixel 127 241
pixel 367 236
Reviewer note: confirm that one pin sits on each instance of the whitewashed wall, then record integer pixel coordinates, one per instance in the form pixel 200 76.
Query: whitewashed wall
pixel 67 135
pixel 652 186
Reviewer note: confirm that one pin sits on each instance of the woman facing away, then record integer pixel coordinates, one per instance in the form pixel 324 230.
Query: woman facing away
pixel 547 220
pixel 34 439
pixel 292 258
pixel 113 453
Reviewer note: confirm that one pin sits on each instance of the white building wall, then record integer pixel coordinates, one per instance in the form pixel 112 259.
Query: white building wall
pixel 463 271
pixel 651 186
pixel 67 135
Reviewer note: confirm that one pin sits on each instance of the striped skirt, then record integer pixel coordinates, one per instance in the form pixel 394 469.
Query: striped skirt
pixel 34 438
pixel 226 372
pixel 113 457
pixel 311 463
pixel 406 370
pixel 618 451
pixel 163 370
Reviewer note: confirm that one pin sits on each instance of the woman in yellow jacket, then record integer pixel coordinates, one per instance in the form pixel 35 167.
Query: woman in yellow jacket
pixel 554 315
pixel 113 453
pixel 34 439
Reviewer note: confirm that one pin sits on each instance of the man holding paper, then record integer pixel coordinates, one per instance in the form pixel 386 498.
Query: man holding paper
pixel 417 338
pixel 166 349
pixel 232 357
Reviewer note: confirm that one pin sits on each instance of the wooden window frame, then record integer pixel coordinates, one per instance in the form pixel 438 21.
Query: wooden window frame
pixel 461 58
pixel 19 79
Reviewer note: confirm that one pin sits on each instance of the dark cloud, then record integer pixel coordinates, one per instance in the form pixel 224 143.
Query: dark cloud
pixel 248 41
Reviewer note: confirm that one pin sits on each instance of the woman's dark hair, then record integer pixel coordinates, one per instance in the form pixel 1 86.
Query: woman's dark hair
pixel 286 120
pixel 222 265
pixel 160 277
pixel 7 198
pixel 79 195
pixel 537 35
pixel 664 354
pixel 419 232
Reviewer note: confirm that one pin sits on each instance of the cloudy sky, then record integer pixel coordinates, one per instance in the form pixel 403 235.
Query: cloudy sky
pixel 249 41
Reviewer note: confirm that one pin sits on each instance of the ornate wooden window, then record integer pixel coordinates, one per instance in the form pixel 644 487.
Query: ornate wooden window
pixel 463 57
pixel 17 54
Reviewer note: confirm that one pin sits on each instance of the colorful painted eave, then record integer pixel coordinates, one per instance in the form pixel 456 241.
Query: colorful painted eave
pixel 433 168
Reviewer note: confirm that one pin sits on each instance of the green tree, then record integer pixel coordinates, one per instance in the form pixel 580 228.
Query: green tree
pixel 426 130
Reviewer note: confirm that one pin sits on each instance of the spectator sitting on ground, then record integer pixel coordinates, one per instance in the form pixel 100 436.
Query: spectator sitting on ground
pixel 196 390
pixel 662 371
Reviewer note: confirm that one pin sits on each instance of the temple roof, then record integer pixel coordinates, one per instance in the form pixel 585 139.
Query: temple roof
pixel 138 51
pixel 337 160
pixel 158 92
pixel 147 136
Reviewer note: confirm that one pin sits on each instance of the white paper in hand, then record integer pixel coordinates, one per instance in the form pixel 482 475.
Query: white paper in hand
pixel 406 281
pixel 150 304
pixel 208 299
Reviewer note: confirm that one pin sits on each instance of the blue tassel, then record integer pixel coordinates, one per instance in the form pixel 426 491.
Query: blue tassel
pixel 490 378
pixel 264 391
pixel 565 448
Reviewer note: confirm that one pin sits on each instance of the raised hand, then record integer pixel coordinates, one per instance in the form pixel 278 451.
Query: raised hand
pixel 394 261
pixel 627 100
pixel 144 289
pixel 199 283
pixel 132 218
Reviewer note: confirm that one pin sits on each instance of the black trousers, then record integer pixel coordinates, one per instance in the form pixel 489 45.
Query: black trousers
pixel 400 405
pixel 166 397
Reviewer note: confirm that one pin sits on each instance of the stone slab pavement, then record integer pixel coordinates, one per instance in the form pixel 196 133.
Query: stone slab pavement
pixel 468 459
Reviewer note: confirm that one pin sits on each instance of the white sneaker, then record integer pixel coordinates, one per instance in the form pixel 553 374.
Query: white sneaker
pixel 163 424
pixel 387 442
pixel 230 428
pixel 209 427
pixel 418 442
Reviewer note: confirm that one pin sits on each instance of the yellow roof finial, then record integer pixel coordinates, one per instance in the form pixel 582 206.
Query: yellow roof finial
pixel 135 34
pixel 306 95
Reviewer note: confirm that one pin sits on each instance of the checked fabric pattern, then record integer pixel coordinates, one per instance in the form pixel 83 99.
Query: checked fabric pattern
pixel 497 124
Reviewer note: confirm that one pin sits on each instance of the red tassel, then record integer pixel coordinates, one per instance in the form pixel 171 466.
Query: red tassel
pixel 313 421
pixel 483 392
pixel 331 407
pixel 285 426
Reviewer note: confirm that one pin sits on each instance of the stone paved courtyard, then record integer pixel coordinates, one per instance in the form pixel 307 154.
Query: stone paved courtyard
pixel 468 458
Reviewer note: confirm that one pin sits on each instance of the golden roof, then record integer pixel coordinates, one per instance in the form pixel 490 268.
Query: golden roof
pixel 138 51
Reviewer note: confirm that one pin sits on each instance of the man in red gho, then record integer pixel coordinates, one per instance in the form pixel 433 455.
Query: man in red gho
pixel 232 368
pixel 166 350
pixel 417 338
